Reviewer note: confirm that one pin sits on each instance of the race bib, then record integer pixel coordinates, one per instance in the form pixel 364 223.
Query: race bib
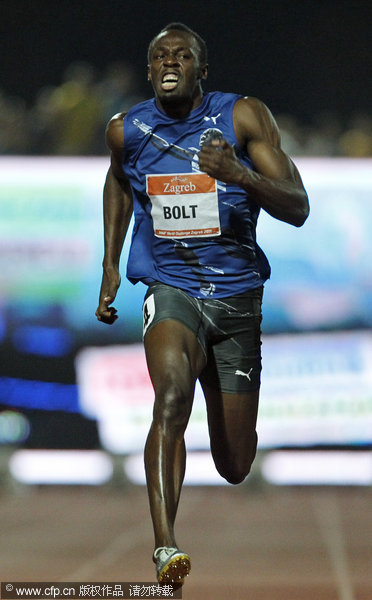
pixel 184 205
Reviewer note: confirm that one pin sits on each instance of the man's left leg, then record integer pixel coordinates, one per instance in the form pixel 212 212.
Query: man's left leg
pixel 231 381
pixel 232 428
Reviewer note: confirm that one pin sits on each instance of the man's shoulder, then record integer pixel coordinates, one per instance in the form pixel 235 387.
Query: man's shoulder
pixel 251 111
pixel 253 119
pixel 115 126
pixel 251 105
pixel 115 132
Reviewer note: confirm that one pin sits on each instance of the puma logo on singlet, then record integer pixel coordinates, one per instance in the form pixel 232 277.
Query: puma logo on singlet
pixel 247 375
pixel 214 119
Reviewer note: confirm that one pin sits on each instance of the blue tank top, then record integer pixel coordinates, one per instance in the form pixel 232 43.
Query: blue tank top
pixel 190 231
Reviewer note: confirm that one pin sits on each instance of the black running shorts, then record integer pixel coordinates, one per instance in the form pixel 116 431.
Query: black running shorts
pixel 228 330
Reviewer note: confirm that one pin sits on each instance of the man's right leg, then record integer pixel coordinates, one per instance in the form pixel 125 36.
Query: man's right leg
pixel 175 359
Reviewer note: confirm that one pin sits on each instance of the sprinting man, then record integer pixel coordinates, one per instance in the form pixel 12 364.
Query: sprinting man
pixel 196 169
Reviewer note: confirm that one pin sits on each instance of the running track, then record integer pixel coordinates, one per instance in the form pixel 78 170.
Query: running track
pixel 245 542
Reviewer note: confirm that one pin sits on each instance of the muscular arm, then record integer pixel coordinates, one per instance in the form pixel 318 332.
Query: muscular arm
pixel 117 212
pixel 275 184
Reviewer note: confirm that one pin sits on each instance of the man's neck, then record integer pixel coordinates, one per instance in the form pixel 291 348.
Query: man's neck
pixel 181 109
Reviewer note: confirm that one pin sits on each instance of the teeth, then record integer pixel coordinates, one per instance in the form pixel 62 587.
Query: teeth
pixel 170 77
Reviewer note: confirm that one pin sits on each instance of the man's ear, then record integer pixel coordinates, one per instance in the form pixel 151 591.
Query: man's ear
pixel 204 72
pixel 148 73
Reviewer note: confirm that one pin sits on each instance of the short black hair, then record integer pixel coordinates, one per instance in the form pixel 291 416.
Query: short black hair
pixel 203 52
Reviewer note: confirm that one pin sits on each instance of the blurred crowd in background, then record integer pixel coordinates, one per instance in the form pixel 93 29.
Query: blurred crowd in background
pixel 70 118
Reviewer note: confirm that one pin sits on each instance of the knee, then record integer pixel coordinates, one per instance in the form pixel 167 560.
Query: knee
pixel 235 469
pixel 172 406
pixel 236 475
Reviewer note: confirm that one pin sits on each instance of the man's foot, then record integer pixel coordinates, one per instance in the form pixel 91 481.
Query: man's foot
pixel 172 565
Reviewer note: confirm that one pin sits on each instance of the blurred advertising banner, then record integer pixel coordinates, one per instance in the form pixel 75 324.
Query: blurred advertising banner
pixel 316 390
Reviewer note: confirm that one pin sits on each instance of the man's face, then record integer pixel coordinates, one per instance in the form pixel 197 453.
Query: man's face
pixel 174 70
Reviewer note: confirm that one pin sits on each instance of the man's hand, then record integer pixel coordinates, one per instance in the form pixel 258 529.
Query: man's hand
pixel 219 160
pixel 109 287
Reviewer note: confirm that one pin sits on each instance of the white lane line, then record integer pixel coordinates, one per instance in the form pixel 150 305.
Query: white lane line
pixel 122 544
pixel 329 518
pixel 126 541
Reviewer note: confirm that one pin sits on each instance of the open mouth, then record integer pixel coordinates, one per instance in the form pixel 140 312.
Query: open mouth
pixel 169 81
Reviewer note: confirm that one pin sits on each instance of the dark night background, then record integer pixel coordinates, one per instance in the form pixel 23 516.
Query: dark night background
pixel 300 57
